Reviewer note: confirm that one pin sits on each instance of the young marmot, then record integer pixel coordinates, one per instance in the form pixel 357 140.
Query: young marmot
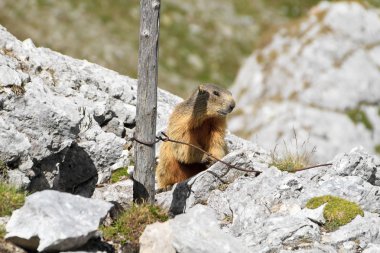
pixel 201 121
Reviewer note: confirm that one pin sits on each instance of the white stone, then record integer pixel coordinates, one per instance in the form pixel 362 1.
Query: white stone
pixel 55 221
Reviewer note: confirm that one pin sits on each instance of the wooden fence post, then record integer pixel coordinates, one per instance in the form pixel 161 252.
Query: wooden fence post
pixel 143 187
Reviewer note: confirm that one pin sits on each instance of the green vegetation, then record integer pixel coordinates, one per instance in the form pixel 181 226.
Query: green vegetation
pixel 292 161
pixel 3 170
pixel 377 148
pixel 11 198
pixel 359 116
pixel 119 174
pixel 337 212
pixel 130 225
pixel 2 232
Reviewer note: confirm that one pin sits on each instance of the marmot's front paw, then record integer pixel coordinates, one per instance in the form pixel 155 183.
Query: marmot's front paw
pixel 165 189
pixel 208 160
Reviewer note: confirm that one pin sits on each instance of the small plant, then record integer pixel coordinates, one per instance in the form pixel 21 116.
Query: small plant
pixel 17 90
pixel 228 219
pixel 11 198
pixel 2 232
pixel 292 161
pixel 337 212
pixel 3 170
pixel 131 224
pixel 119 174
pixel 223 187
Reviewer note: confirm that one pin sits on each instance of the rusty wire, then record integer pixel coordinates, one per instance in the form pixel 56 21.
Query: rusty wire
pixel 165 138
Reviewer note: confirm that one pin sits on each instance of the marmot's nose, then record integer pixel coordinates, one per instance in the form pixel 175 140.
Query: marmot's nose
pixel 232 106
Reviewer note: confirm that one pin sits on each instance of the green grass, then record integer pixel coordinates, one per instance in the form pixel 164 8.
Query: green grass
pixel 289 162
pixel 119 174
pixel 358 116
pixel 292 161
pixel 3 170
pixel 11 198
pixel 337 212
pixel 2 232
pixel 131 224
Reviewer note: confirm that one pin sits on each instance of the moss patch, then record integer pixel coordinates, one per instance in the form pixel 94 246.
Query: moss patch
pixel 377 148
pixel 119 174
pixel 358 116
pixel 11 198
pixel 337 212
pixel 131 224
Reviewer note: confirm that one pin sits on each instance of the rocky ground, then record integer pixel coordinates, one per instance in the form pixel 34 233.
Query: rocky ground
pixel 315 77
pixel 66 124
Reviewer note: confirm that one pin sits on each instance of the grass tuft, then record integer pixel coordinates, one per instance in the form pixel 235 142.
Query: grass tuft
pixel 3 170
pixel 11 198
pixel 293 161
pixel 337 212
pixel 131 224
pixel 119 174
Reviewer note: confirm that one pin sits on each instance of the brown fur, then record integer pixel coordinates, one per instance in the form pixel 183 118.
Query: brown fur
pixel 201 121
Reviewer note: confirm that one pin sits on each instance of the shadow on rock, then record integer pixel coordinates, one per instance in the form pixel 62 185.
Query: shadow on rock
pixel 70 170
pixel 180 194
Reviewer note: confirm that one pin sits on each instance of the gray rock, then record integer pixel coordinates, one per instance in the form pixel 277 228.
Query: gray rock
pixel 197 189
pixel 315 215
pixel 306 80
pixel 9 76
pixel 267 212
pixel 361 231
pixel 372 248
pixel 72 116
pixel 120 192
pixel 357 163
pixel 56 221
pixel 195 231
pixel 157 237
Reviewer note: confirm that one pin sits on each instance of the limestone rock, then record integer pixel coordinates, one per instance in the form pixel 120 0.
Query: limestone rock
pixel 120 192
pixel 372 248
pixel 267 211
pixel 195 231
pixel 315 215
pixel 55 221
pixel 315 77
pixel 59 115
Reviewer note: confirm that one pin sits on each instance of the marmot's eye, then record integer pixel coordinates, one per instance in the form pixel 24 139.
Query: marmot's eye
pixel 216 93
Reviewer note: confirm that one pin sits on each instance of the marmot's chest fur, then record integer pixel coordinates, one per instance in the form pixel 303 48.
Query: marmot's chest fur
pixel 201 121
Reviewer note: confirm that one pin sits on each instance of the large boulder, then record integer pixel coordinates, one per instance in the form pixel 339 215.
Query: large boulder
pixel 318 77
pixel 64 123
pixel 267 212
pixel 197 231
pixel 56 221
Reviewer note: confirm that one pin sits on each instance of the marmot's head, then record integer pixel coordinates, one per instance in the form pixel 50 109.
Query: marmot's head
pixel 213 101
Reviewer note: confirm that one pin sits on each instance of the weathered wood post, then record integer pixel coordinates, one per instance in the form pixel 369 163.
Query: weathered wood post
pixel 143 188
